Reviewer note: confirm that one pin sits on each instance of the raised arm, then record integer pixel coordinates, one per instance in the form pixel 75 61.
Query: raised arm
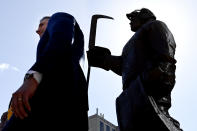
pixel 101 57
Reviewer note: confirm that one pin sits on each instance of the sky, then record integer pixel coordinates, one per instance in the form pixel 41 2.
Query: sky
pixel 18 42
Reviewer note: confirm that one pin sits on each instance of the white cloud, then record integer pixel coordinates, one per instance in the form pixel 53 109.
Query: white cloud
pixel 15 68
pixel 5 66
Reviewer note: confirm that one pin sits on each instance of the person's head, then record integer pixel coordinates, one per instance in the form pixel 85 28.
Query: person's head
pixel 43 25
pixel 139 17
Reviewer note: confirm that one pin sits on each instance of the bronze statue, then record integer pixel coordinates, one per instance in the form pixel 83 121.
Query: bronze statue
pixel 147 66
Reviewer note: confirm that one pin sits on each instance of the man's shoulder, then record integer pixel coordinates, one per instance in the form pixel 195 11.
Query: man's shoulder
pixel 155 25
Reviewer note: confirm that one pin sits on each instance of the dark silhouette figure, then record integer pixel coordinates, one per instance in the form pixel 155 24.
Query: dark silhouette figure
pixel 147 66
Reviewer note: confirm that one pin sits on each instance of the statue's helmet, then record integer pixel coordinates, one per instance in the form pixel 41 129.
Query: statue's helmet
pixel 144 14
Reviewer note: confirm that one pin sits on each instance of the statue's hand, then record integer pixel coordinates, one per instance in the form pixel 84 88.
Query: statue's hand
pixel 160 80
pixel 97 57
pixel 154 75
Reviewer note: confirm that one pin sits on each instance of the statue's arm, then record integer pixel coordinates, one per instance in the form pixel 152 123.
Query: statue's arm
pixel 101 57
pixel 115 64
pixel 161 77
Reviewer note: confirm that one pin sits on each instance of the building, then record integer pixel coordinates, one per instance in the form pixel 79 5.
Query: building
pixel 98 123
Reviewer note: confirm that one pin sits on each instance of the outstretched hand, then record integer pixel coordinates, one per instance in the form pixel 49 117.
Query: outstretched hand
pixel 20 99
pixel 97 57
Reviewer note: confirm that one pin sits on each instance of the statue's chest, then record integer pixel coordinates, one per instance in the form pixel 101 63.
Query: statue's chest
pixel 136 46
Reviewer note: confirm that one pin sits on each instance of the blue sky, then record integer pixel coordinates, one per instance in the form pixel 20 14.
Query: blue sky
pixel 18 41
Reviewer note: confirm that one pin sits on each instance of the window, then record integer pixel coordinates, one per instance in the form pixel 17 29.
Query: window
pixel 107 128
pixel 101 126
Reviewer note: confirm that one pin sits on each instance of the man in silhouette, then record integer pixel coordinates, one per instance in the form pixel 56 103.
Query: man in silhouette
pixel 147 66
pixel 41 29
pixel 54 93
